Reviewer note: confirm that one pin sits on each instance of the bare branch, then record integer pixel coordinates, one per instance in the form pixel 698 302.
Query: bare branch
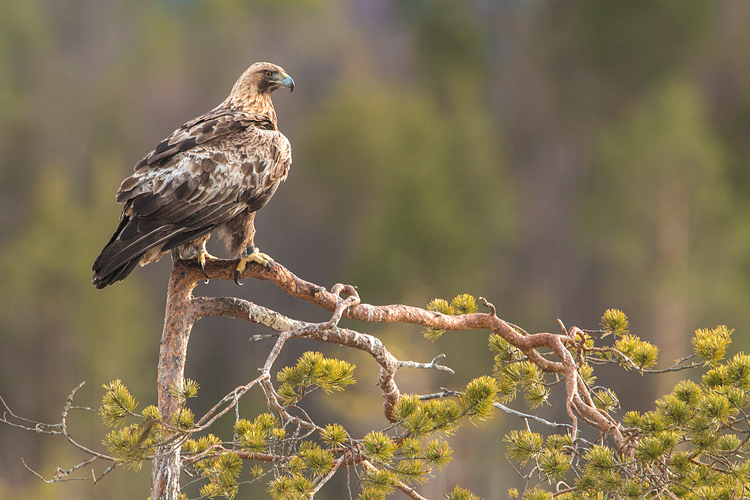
pixel 446 393
pixel 38 427
pixel 64 429
pixel 62 475
pixel 432 365
pixel 528 416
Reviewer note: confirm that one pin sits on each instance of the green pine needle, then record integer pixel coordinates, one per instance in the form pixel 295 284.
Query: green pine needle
pixel 523 445
pixel 464 304
pixel 378 446
pixel 478 397
pixel 313 370
pixel 334 435
pixel 711 345
pixel 117 403
pixel 615 322
pixel 319 461
pixel 462 494
pixel 438 453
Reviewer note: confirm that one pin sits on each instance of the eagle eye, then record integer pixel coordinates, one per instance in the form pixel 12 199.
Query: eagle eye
pixel 267 74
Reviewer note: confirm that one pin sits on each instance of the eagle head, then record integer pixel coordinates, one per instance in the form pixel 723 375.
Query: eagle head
pixel 252 92
pixel 262 78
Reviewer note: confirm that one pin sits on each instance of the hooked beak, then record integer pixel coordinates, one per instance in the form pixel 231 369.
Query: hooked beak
pixel 288 82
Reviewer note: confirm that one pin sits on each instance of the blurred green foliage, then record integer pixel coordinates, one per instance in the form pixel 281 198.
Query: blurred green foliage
pixel 428 163
pixel 423 185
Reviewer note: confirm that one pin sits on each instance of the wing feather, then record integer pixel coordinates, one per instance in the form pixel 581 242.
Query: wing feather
pixel 218 122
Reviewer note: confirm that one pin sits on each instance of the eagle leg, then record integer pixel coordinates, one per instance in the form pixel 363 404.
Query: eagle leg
pixel 251 254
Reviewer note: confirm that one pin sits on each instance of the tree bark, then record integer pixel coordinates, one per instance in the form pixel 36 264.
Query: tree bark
pixel 178 322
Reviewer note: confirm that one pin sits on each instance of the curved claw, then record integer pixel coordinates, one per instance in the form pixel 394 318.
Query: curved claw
pixel 203 269
pixel 201 256
pixel 237 277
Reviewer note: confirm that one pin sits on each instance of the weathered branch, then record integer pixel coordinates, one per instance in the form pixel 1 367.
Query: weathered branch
pixel 525 416
pixel 579 402
pixel 432 365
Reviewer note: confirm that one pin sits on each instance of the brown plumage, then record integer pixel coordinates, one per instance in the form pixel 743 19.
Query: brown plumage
pixel 213 173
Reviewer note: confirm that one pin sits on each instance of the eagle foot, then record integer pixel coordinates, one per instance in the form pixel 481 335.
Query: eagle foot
pixel 251 254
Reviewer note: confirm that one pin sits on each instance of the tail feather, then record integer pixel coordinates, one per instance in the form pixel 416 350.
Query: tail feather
pixel 132 239
pixel 119 274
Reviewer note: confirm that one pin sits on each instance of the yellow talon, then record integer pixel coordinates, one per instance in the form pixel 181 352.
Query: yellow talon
pixel 251 254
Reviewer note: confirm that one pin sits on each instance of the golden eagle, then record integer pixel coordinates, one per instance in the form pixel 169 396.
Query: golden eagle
pixel 213 173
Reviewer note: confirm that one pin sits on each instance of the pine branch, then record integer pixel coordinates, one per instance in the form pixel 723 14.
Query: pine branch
pixel 183 310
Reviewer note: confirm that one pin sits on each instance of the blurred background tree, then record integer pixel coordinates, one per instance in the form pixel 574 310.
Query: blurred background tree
pixel 557 159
